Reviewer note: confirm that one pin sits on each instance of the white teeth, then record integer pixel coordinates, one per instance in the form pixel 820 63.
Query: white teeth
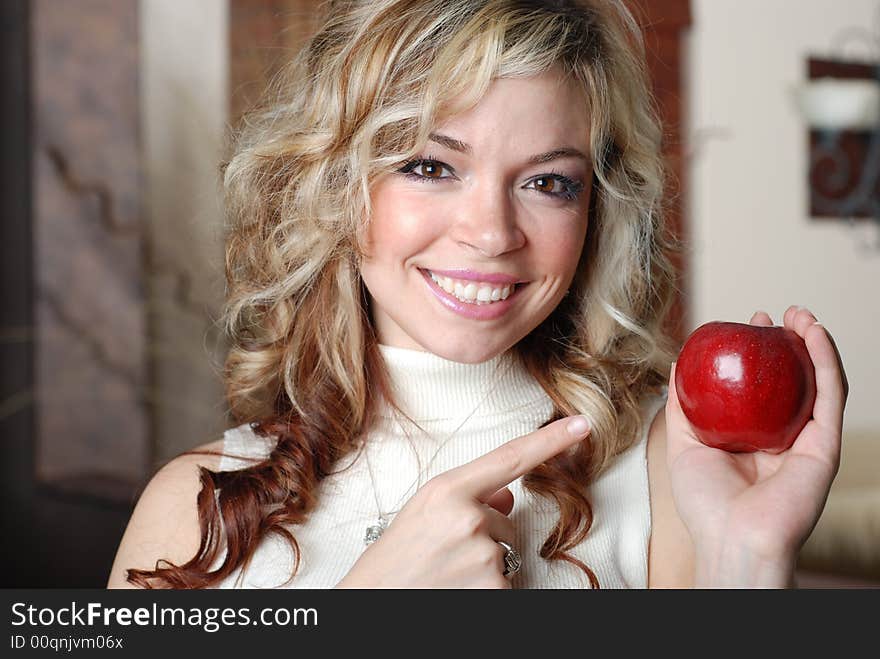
pixel 471 292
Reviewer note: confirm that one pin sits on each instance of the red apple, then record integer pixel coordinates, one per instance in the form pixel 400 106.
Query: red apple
pixel 744 387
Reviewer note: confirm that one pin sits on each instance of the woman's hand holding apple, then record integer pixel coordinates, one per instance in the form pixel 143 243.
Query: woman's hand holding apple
pixel 749 513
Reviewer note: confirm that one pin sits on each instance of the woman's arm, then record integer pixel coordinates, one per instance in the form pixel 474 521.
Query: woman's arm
pixel 672 556
pixel 165 522
pixel 671 559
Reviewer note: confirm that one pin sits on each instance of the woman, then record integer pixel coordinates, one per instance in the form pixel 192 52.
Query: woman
pixel 447 277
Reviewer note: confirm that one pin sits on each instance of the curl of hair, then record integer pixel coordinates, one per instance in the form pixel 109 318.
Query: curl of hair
pixel 358 101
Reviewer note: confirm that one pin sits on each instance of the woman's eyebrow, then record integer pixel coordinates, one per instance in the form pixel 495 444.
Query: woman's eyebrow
pixel 461 147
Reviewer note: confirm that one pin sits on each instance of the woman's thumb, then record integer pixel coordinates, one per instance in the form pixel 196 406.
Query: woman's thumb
pixel 502 501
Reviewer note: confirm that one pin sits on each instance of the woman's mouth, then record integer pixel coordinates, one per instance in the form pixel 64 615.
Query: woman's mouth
pixel 473 292
pixel 479 300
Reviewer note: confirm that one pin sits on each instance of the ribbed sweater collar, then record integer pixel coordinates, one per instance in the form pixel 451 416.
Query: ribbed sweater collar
pixel 430 388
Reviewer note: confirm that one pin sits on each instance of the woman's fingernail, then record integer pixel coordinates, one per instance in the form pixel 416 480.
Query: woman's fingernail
pixel 578 426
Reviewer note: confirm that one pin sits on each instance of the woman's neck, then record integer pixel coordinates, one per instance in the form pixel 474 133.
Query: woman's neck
pixel 429 387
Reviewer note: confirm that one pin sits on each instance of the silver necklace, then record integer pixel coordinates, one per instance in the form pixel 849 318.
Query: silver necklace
pixel 383 519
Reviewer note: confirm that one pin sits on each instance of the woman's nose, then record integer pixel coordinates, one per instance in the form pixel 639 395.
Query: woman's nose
pixel 487 223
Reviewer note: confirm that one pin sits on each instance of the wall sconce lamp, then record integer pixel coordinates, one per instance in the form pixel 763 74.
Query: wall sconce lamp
pixel 840 103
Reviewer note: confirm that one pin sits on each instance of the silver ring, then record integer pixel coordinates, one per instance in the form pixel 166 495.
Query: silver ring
pixel 512 559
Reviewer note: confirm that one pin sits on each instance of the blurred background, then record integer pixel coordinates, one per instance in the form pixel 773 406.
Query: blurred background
pixel 115 119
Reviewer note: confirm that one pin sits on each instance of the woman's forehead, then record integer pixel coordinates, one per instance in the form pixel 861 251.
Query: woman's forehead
pixel 544 107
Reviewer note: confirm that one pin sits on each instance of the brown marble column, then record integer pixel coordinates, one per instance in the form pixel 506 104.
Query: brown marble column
pixel 91 372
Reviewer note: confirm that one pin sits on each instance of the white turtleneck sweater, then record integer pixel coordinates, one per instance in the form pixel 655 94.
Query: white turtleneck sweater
pixel 465 411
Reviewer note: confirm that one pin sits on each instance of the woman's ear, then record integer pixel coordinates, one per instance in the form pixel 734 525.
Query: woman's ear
pixel 360 246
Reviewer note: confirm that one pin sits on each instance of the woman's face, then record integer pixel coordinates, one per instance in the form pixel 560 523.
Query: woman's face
pixel 472 245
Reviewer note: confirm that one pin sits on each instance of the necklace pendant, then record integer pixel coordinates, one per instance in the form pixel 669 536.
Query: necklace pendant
pixel 374 532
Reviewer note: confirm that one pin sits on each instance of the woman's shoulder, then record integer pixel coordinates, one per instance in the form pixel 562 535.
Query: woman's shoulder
pixel 165 522
pixel 242 446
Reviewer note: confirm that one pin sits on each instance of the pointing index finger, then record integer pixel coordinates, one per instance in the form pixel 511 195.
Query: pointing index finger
pixel 482 477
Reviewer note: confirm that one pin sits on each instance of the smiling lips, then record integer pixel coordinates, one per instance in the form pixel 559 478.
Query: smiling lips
pixel 477 296
pixel 473 292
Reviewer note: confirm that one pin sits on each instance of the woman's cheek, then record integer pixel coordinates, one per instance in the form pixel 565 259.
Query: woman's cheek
pixel 401 220
pixel 560 250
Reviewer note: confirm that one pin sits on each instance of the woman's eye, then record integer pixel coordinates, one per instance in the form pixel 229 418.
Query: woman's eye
pixel 425 169
pixel 548 185
pixel 557 185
